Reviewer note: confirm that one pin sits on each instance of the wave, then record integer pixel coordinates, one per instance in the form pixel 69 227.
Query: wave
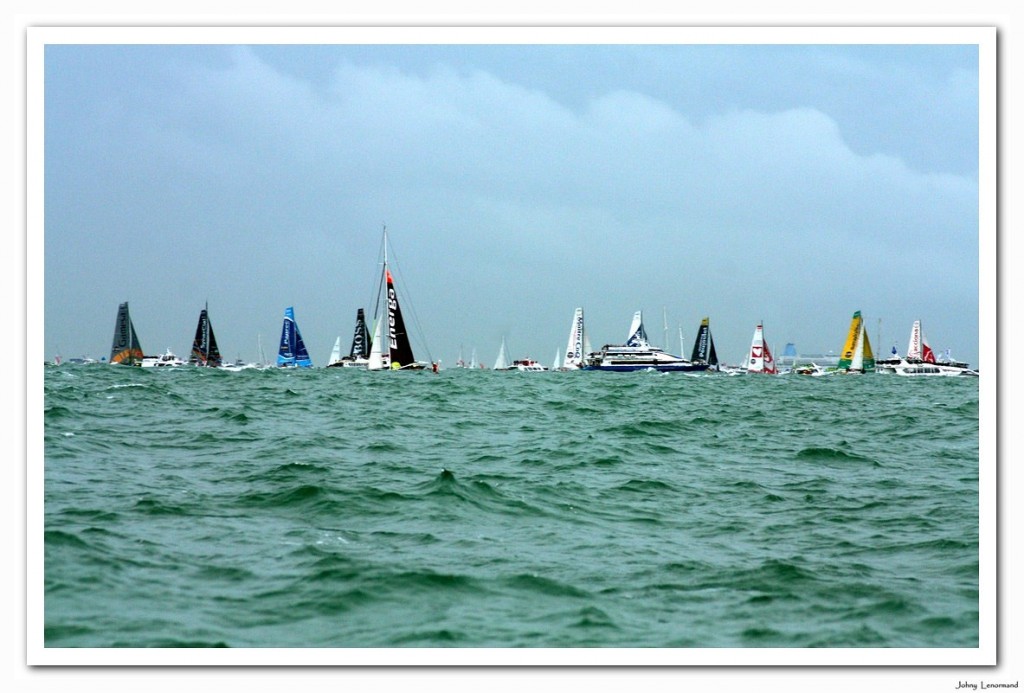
pixel 273 509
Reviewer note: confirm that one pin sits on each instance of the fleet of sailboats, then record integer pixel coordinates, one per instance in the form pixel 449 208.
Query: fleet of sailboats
pixel 390 348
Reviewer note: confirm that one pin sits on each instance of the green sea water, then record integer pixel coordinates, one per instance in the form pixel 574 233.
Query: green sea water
pixel 335 508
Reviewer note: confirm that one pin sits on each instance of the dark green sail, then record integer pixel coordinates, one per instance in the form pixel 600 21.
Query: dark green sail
pixel 204 346
pixel 704 345
pixel 125 348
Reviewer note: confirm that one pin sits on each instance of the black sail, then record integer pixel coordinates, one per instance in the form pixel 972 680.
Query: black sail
pixel 398 339
pixel 361 338
pixel 204 346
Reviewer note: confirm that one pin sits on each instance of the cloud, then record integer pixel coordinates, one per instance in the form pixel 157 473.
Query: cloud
pixel 509 206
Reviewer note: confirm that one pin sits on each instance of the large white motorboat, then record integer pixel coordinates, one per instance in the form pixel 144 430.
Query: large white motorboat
pixel 164 360
pixel 920 360
pixel 527 365
pixel 922 368
pixel 637 354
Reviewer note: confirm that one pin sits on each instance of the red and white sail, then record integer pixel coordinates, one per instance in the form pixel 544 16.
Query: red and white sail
pixel 760 359
pixel 918 348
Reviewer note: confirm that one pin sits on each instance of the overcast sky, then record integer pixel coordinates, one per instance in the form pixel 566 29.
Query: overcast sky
pixel 793 184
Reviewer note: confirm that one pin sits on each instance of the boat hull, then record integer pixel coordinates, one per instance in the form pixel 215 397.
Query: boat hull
pixel 925 369
pixel 642 357
pixel 931 371
pixel 660 367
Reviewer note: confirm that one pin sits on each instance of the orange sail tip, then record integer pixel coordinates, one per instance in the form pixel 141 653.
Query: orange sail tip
pixel 388 273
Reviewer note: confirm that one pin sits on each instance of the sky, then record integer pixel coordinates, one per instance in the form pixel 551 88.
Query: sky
pixel 790 184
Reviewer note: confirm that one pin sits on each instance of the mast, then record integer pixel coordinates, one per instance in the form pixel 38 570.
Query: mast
pixel 399 351
pixel 664 327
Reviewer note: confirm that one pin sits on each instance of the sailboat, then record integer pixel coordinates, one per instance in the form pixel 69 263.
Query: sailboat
pixel 918 348
pixel 263 363
pixel 760 359
pixel 125 348
pixel 556 366
pixel 359 353
pixel 204 346
pixel 388 315
pixel 292 353
pixel 501 363
pixel 637 354
pixel 856 356
pixel 704 346
pixel 920 359
pixel 574 350
pixel 335 359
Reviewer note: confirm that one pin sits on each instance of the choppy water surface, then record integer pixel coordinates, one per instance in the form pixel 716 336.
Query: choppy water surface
pixel 331 508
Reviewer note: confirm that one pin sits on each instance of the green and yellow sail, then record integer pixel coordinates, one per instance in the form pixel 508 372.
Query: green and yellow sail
pixel 856 354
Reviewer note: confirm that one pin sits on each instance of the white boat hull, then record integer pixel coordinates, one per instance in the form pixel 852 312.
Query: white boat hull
pixel 623 359
pixel 165 360
pixel 929 370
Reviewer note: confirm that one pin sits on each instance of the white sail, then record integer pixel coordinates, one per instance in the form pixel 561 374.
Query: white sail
pixel 756 358
pixel 857 364
pixel 472 360
pixel 335 352
pixel 914 347
pixel 376 355
pixel 501 363
pixel 637 333
pixel 574 350
pixel 558 360
pixel 664 328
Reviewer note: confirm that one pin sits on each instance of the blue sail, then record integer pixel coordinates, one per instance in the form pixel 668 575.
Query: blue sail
pixel 292 351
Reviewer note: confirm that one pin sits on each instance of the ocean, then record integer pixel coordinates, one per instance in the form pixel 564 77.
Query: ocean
pixel 331 508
